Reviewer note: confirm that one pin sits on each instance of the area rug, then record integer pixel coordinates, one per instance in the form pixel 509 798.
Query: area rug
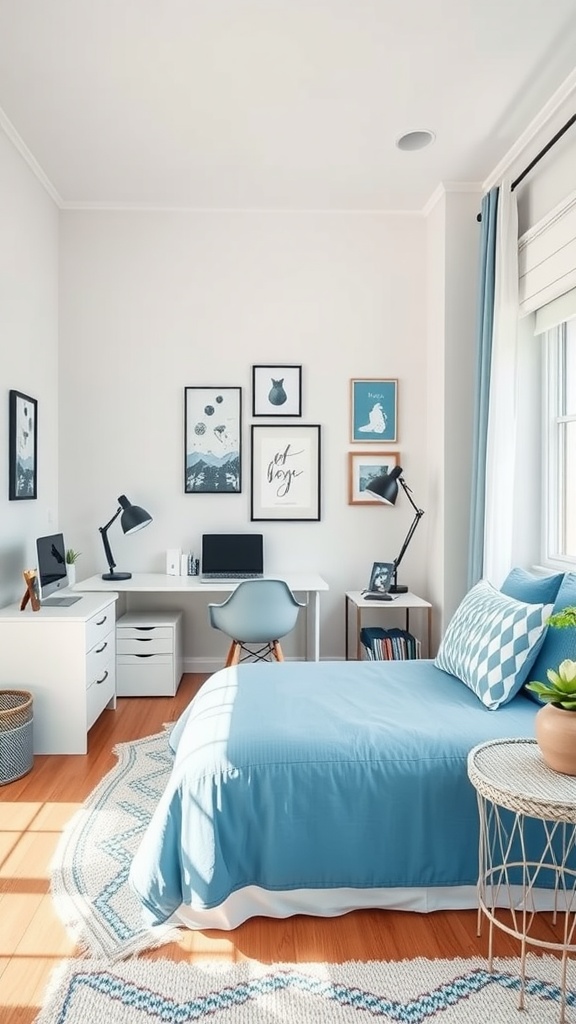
pixel 142 991
pixel 89 871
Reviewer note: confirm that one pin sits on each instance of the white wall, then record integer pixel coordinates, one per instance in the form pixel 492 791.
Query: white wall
pixel 452 273
pixel 152 302
pixel 28 355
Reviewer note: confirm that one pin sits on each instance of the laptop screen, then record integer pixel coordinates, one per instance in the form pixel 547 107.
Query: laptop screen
pixel 232 552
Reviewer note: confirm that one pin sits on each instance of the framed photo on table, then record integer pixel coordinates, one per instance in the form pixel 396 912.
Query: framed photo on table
pixel 286 462
pixel 374 411
pixel 22 447
pixel 363 467
pixel 212 440
pixel 381 578
pixel 277 390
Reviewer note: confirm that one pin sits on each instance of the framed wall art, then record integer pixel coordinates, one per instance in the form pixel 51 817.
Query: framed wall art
pixel 286 463
pixel 212 440
pixel 364 467
pixel 277 390
pixel 374 410
pixel 22 447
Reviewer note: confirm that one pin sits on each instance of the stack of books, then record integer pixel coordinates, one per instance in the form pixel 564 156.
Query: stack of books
pixel 389 644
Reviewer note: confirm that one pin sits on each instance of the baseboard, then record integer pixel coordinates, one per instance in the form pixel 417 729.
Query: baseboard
pixel 212 665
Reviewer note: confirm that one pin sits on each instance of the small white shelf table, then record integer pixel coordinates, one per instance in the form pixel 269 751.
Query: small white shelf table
pixel 407 602
pixel 514 785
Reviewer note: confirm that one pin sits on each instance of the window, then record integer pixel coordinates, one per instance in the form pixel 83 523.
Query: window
pixel 560 446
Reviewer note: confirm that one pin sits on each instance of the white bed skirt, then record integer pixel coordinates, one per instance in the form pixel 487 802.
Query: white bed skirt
pixel 253 901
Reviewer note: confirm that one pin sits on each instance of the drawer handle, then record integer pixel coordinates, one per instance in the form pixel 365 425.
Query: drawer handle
pixel 104 678
pixel 143 639
pixel 145 628
pixel 143 655
pixel 102 621
pixel 103 648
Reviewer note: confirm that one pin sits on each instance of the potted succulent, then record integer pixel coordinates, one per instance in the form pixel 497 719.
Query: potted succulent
pixel 556 721
pixel 72 557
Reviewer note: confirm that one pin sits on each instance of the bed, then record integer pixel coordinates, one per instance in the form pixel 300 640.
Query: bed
pixel 320 788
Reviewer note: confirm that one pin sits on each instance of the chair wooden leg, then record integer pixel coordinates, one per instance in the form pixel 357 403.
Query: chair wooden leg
pixel 233 656
pixel 277 651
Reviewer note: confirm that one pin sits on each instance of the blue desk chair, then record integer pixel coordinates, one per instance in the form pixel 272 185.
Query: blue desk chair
pixel 257 612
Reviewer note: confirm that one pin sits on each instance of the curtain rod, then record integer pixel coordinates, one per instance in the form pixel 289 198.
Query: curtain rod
pixel 539 155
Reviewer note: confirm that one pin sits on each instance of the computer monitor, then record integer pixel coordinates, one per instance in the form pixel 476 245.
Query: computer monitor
pixel 52 571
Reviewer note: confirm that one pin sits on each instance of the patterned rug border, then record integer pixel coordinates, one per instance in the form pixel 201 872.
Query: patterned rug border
pixel 410 991
pixel 94 921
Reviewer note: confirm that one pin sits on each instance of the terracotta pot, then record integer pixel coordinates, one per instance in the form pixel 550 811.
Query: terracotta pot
pixel 556 737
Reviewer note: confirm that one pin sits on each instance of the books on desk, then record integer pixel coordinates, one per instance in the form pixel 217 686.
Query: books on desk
pixel 389 644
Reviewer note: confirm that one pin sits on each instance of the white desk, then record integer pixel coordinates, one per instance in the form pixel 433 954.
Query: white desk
pixel 308 584
pixel 66 657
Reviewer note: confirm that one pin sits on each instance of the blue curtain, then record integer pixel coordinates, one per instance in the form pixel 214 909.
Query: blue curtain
pixel 482 394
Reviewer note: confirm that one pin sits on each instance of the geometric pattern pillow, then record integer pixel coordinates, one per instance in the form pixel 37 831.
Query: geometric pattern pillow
pixel 491 642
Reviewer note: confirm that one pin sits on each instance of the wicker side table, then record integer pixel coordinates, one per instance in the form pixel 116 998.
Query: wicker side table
pixel 16 723
pixel 516 791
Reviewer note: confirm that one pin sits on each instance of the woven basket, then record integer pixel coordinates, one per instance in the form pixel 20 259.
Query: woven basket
pixel 16 724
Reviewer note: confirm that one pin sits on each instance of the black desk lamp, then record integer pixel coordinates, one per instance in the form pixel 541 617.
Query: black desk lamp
pixel 133 518
pixel 385 488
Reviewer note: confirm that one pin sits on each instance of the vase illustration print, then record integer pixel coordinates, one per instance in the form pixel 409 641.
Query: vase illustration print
pixel 277 395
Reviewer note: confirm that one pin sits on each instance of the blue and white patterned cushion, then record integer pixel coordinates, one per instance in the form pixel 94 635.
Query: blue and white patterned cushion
pixel 491 643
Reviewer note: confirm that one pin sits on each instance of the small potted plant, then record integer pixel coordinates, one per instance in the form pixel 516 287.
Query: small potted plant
pixel 72 557
pixel 556 721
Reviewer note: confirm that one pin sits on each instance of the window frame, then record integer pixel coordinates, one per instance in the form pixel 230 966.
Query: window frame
pixel 554 448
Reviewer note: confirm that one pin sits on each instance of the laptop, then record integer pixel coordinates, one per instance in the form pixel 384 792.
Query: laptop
pixel 231 557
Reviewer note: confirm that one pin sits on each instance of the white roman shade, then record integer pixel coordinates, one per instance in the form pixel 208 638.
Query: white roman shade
pixel 556 312
pixel 547 260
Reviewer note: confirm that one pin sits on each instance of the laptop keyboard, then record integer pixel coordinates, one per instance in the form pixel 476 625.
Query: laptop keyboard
pixel 216 576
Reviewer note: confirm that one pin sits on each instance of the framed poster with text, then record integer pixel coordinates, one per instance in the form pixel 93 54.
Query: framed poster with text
pixel 286 464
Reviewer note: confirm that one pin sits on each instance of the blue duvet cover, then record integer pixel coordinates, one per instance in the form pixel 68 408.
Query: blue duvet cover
pixel 320 775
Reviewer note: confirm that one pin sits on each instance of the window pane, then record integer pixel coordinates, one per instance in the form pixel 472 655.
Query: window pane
pixel 568 509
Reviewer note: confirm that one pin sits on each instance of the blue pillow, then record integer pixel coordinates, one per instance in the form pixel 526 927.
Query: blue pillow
pixel 531 587
pixel 558 643
pixel 491 642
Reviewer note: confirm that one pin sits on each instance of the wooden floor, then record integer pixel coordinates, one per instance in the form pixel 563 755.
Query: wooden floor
pixel 33 812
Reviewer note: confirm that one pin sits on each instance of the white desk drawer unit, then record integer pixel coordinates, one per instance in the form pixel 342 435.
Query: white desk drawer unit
pixel 66 657
pixel 100 666
pixel 149 654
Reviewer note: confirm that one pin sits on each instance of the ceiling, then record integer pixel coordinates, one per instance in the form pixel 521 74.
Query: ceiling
pixel 283 104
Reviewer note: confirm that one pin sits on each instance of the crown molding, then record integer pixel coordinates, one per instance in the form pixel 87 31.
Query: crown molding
pixel 95 207
pixel 542 119
pixel 19 144
pixel 447 187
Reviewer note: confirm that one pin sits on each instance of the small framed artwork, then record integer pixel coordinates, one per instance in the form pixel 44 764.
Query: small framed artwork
pixel 23 447
pixel 277 390
pixel 212 440
pixel 374 411
pixel 381 578
pixel 285 472
pixel 363 467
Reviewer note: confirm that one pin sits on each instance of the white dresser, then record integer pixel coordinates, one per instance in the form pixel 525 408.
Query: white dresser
pixel 66 658
pixel 149 660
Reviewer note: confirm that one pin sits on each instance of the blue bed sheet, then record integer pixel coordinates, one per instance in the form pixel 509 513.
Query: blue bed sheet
pixel 319 775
